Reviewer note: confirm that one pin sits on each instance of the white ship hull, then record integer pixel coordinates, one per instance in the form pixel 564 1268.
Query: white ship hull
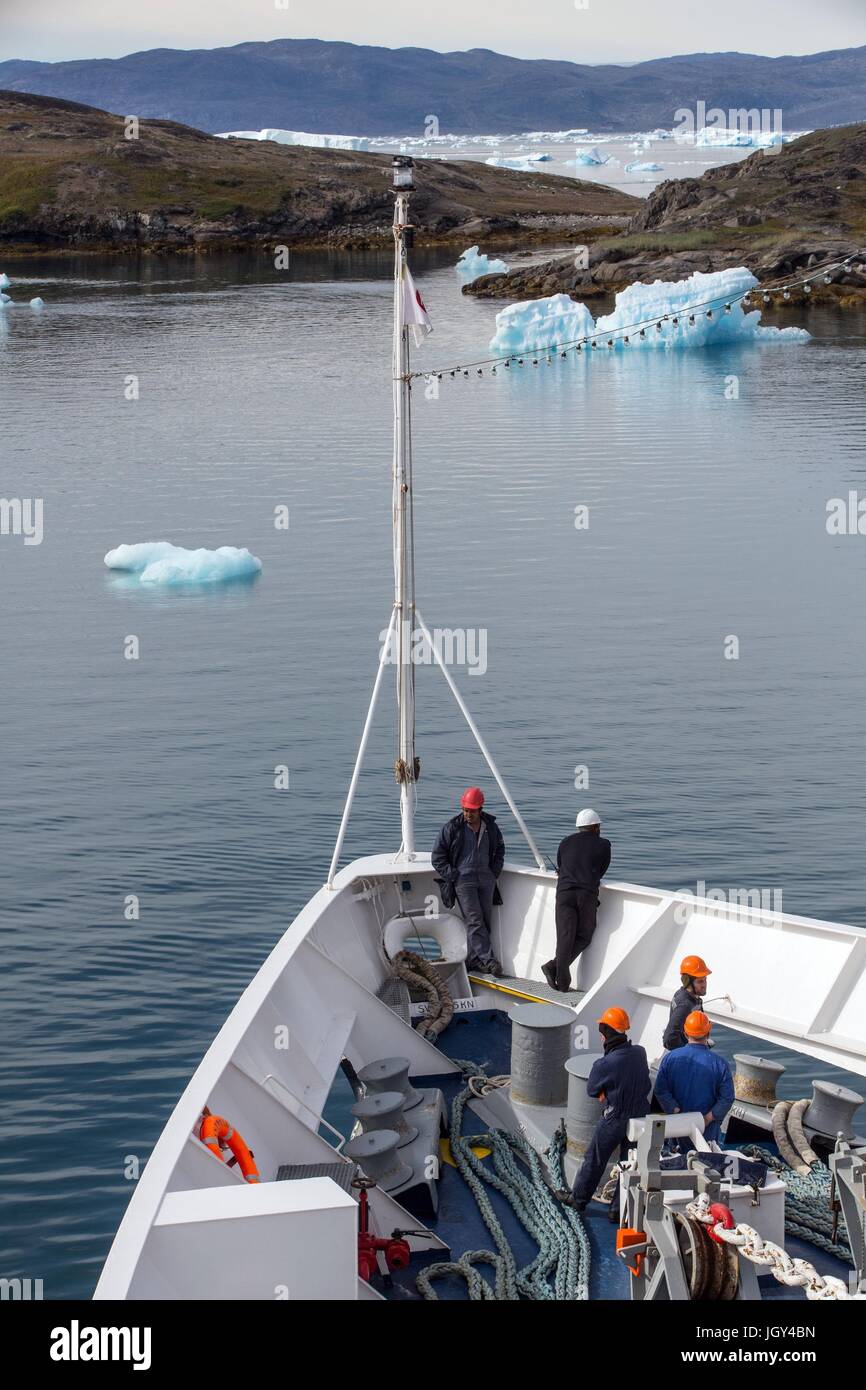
pixel 195 1229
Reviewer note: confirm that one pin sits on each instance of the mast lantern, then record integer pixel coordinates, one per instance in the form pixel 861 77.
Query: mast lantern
pixel 404 179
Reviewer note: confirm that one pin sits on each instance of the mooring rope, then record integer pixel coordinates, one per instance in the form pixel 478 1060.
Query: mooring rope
pixel 560 1270
pixel 807 1202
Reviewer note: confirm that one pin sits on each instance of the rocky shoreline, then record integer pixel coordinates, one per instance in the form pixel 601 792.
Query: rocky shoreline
pixel 780 214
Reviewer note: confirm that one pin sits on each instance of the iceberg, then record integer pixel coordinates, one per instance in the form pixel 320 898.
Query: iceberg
pixel 522 162
pixel 5 282
pixel 37 303
pixel 300 137
pixel 593 156
pixel 541 324
pixel 473 263
pixel 160 562
pixel 538 324
pixel 745 139
pixel 638 168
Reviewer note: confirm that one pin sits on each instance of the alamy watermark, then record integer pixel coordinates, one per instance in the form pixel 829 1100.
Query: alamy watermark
pixel 751 120
pixel 22 516
pixel 754 899
pixel 459 646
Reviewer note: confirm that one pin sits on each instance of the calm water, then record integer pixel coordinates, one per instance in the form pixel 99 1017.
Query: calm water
pixel 154 777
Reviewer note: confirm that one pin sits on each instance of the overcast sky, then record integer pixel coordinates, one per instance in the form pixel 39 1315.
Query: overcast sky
pixel 603 31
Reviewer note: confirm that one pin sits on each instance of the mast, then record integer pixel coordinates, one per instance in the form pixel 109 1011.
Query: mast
pixel 406 767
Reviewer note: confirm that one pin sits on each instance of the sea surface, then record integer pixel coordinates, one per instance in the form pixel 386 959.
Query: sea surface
pixel 148 861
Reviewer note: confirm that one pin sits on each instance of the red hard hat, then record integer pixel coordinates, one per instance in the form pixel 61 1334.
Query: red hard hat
pixel 472 799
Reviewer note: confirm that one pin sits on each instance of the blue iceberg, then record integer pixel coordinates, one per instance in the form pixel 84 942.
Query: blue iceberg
pixel 699 304
pixel 474 263
pixel 539 324
pixel 160 562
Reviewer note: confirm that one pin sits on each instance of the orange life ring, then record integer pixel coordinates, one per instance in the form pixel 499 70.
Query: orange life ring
pixel 216 1132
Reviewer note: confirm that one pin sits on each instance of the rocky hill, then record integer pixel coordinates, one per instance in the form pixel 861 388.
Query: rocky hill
pixel 776 212
pixel 70 178
pixel 308 84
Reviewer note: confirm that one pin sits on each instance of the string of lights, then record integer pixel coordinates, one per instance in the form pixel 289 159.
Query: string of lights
pixel 685 318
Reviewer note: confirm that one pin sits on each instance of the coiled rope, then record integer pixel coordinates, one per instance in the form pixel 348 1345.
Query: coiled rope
pixel 418 974
pixel 807 1181
pixel 560 1270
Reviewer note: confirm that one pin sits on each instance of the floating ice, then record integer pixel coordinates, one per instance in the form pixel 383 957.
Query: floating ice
pixel 540 324
pixel 300 137
pixel 474 263
pixel 37 303
pixel 160 562
pixel 638 168
pixel 5 282
pixel 4 298
pixel 523 162
pixel 593 156
pixel 747 139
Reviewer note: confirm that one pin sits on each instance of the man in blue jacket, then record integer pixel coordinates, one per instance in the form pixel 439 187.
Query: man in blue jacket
pixel 696 1078
pixel 467 857
pixel 620 1080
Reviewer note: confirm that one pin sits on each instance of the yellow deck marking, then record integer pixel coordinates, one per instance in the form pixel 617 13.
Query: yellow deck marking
pixel 445 1151
pixel 515 993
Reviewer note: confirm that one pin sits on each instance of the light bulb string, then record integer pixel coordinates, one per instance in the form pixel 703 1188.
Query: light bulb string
pixel 609 335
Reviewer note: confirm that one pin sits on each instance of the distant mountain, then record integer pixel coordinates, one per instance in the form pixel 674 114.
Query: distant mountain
pixel 307 84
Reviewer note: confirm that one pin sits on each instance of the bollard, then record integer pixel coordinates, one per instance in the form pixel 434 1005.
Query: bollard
pixel 831 1110
pixel 390 1074
pixel 583 1112
pixel 540 1047
pixel 377 1154
pixel 384 1110
pixel 755 1079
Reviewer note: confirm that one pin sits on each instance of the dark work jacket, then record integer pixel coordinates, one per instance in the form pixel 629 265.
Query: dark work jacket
pixel 682 1004
pixel 448 850
pixel 622 1076
pixel 581 860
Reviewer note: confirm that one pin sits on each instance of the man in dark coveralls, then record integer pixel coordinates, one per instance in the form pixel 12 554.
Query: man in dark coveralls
pixel 581 860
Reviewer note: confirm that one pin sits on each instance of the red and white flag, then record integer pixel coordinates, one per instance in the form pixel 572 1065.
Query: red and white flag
pixel 415 314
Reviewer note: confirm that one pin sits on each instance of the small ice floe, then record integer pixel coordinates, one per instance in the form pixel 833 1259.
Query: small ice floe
pixel 593 156
pixel 160 562
pixel 474 263
pixel 638 168
pixel 5 299
pixel 707 309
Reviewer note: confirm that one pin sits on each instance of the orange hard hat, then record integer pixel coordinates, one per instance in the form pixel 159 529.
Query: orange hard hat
pixel 616 1018
pixel 697 1025
pixel 472 799
pixel 695 966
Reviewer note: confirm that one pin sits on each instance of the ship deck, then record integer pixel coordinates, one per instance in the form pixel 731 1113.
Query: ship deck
pixel 484 1037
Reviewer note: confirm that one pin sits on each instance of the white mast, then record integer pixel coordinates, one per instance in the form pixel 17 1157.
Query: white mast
pixel 406 767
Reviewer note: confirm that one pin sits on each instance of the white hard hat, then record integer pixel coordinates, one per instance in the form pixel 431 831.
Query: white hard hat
pixel 587 817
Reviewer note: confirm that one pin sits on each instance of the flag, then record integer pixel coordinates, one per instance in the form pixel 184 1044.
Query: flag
pixel 415 314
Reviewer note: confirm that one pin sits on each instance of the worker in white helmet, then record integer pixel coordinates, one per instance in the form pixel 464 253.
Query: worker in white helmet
pixel 581 861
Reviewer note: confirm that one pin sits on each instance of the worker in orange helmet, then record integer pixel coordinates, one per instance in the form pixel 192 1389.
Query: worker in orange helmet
pixel 467 859
pixel 695 1078
pixel 620 1081
pixel 693 975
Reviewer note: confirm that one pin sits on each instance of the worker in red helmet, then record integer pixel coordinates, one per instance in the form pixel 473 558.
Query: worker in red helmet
pixel 467 857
